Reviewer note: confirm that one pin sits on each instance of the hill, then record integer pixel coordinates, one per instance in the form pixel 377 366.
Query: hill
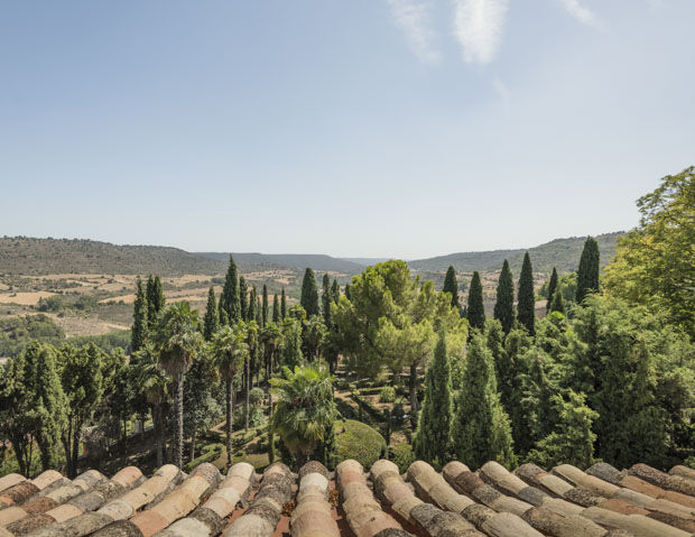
pixel 321 263
pixel 561 253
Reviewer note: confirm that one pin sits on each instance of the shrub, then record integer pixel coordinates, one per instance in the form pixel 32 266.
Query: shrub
pixel 387 394
pixel 402 455
pixel 256 396
pixel 210 453
pixel 360 442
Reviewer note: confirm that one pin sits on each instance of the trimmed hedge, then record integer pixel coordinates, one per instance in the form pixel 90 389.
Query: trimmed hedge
pixel 402 455
pixel 360 442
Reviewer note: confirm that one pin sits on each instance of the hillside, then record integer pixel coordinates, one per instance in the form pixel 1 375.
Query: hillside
pixel 321 263
pixel 561 253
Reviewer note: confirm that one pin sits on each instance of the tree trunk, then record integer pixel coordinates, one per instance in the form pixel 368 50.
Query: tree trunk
pixel 158 431
pixel 230 421
pixel 193 445
pixel 413 395
pixel 75 449
pixel 179 421
pixel 247 375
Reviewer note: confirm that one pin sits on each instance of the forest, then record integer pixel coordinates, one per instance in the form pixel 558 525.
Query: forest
pixel 605 373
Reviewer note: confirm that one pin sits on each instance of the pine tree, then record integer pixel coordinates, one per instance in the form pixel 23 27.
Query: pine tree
pixel 335 291
pixel 431 441
pixel 451 286
pixel 139 331
pixel 283 305
pixel 212 316
pixel 310 295
pixel 243 298
pixel 526 303
pixel 230 300
pixel 587 275
pixel 481 430
pixel 558 303
pixel 252 304
pixel 276 309
pixel 326 301
pixel 552 287
pixel 264 311
pixel 476 309
pixel 504 307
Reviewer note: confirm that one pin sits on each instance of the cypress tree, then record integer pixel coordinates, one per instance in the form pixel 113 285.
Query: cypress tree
pixel 138 333
pixel 149 296
pixel 224 320
pixel 476 309
pixel 587 275
pixel 264 311
pixel 158 296
pixel 481 430
pixel 326 301
pixel 230 299
pixel 243 298
pixel 558 303
pixel 504 306
pixel 276 309
pixel 310 295
pixel 526 303
pixel 283 305
pixel 252 304
pixel 335 291
pixel 431 441
pixel 347 291
pixel 552 287
pixel 451 286
pixel 259 310
pixel 212 316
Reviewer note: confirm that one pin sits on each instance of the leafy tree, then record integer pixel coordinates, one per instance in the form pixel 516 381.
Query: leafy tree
pixel 200 396
pixel 558 304
pixel 276 309
pixel 178 341
pixel 476 309
pixel 230 351
pixel 305 409
pixel 80 370
pixel 313 335
pixel 480 430
pixel 451 286
pixel 212 317
pixel 655 263
pixel 504 306
pixel 139 330
pixel 526 304
pixel 326 301
pixel 552 287
pixel 290 342
pixel 310 295
pixel 243 299
pixel 230 300
pixel 283 304
pixel 432 439
pixel 587 275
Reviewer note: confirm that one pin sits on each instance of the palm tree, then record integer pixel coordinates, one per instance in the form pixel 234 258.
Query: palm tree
pixel 155 385
pixel 305 409
pixel 252 342
pixel 314 334
pixel 270 337
pixel 178 340
pixel 229 350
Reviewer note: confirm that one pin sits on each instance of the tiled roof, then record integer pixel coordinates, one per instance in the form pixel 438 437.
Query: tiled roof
pixel 352 501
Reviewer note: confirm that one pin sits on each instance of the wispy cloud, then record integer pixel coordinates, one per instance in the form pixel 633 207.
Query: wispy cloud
pixel 502 90
pixel 413 17
pixel 478 26
pixel 582 13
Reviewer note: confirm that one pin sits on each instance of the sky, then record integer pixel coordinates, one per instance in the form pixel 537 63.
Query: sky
pixel 374 128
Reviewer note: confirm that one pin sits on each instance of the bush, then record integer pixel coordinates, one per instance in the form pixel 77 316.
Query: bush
pixel 360 442
pixel 402 455
pixel 387 394
pixel 398 415
pixel 256 396
pixel 210 453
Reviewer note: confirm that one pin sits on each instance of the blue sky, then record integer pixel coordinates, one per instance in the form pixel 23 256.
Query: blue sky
pixel 403 128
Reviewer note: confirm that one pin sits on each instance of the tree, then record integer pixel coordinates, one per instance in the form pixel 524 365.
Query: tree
pixel 155 299
pixel 451 286
pixel 310 295
pixel 230 351
pixel 201 395
pixel 481 430
pixel 273 337
pixel 80 370
pixel 654 264
pixel 432 439
pixel 526 303
pixel 264 310
pixel 326 301
pixel 283 305
pixel 212 316
pixel 276 309
pixel 230 300
pixel 305 409
pixel 476 309
pixel 347 291
pixel 558 304
pixel 552 287
pixel 251 313
pixel 504 306
pixel 313 335
pixel 139 329
pixel 587 275
pixel 178 341
pixel 243 299
pixel 335 291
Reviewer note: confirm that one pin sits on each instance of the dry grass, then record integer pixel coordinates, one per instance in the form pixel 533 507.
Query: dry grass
pixel 24 299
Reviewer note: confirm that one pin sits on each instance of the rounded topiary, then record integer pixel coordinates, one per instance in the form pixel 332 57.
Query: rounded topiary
pixel 359 441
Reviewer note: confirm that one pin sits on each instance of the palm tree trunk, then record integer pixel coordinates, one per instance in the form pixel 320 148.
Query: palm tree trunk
pixel 193 445
pixel 157 418
pixel 179 420
pixel 247 375
pixel 230 418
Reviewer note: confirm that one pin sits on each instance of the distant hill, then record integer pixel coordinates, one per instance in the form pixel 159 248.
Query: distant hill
pixel 561 253
pixel 24 255
pixel 322 263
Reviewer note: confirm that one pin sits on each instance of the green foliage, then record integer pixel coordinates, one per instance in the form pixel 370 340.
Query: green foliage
pixel 481 430
pixel 451 286
pixel 290 342
pixel 526 303
pixel 17 333
pixel 403 456
pixel 558 304
pixel 326 301
pixel 251 313
pixel 264 309
pixel 283 304
pixel 155 300
pixel 504 306
pixel 230 300
pixel 387 394
pixel 310 295
pixel 139 330
pixel 476 310
pixel 313 335
pixel 243 299
pixel 211 320
pixel 276 309
pixel 587 275
pixel 359 441
pixel 552 287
